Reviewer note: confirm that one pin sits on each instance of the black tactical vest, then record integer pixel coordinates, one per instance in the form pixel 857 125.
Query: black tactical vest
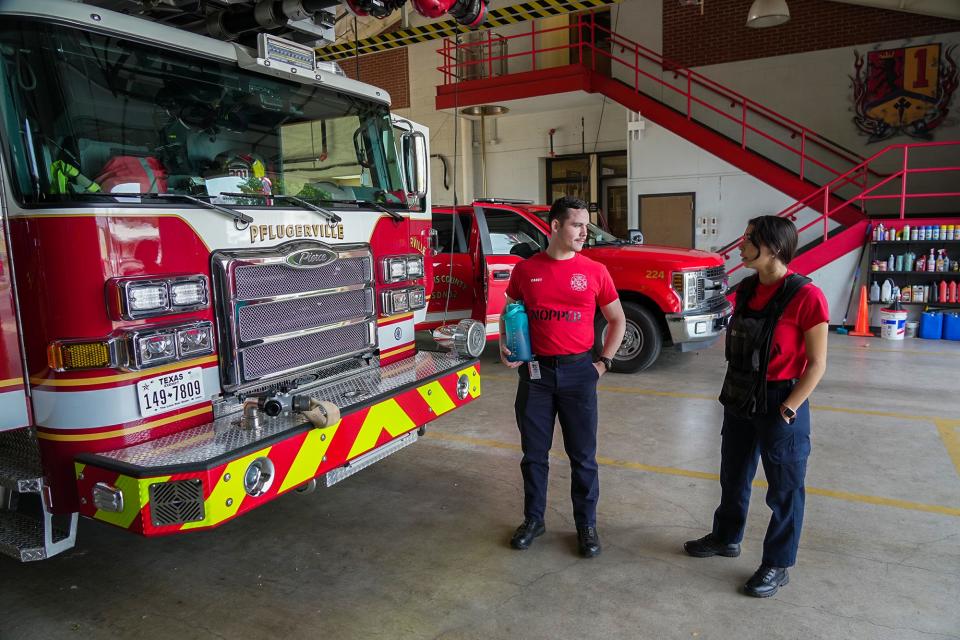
pixel 748 343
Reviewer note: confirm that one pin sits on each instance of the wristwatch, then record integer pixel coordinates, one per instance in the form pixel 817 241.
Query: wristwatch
pixel 607 362
pixel 788 413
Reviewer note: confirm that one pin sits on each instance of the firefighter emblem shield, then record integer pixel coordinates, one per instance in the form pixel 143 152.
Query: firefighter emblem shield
pixel 906 90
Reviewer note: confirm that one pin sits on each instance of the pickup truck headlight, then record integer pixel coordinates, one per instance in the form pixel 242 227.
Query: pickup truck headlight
pixel 686 284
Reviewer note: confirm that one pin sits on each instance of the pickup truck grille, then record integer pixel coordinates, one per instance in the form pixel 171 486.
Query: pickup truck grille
pixel 275 318
pixel 712 289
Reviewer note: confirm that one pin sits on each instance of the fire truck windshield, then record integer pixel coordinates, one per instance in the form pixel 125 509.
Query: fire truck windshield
pixel 89 113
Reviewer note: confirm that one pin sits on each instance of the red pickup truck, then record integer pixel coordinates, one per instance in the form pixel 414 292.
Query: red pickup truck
pixel 671 296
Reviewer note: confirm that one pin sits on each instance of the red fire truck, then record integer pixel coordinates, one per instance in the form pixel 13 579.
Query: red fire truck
pixel 211 266
pixel 670 295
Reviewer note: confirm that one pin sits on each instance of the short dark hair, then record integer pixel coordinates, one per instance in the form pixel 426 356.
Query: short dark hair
pixel 777 234
pixel 560 209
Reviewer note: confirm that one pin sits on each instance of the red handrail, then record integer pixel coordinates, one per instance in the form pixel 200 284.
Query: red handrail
pixel 867 193
pixel 586 32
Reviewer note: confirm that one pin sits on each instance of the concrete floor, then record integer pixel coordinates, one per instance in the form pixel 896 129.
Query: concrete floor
pixel 416 547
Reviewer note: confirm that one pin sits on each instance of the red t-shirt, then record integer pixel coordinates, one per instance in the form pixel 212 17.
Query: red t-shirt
pixel 807 309
pixel 561 297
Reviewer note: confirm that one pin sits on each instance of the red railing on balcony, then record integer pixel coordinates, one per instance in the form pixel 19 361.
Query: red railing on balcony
pixel 737 117
pixel 892 188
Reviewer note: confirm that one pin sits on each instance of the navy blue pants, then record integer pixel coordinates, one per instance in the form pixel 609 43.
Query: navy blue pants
pixel 784 449
pixel 567 391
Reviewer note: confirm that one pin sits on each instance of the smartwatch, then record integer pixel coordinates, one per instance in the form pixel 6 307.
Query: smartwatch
pixel 607 362
pixel 789 413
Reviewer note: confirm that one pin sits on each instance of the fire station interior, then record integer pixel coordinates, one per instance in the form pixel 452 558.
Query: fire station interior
pixel 676 121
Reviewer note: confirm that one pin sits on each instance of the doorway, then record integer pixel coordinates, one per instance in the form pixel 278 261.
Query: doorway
pixel 668 219
pixel 615 206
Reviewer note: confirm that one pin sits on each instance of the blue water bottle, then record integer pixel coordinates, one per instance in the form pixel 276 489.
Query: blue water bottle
pixel 518 332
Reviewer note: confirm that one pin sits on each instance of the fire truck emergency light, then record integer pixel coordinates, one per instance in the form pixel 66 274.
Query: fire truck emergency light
pixel 397 301
pixel 80 355
pixel 136 298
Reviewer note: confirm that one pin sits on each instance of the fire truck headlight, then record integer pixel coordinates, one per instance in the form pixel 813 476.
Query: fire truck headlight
pixel 195 340
pixel 144 298
pixel 190 292
pixel 154 348
pixel 258 477
pixel 395 301
pixel 417 298
pixel 395 269
pixel 414 267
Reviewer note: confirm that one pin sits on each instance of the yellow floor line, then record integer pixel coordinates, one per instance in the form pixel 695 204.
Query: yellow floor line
pixel 949 431
pixel 703 475
pixel 701 396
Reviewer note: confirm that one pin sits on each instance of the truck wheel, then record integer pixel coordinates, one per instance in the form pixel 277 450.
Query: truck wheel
pixel 641 343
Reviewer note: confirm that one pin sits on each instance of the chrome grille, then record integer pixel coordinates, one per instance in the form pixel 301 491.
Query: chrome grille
pixel 270 280
pixel 712 288
pixel 176 502
pixel 287 316
pixel 276 318
pixel 301 351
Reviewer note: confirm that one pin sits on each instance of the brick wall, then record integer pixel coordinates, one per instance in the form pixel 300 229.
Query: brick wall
pixel 388 70
pixel 721 34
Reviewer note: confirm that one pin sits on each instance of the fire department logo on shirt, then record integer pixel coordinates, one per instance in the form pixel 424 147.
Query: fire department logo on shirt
pixel 578 282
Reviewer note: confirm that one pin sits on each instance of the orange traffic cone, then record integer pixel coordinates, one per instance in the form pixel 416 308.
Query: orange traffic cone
pixel 863 317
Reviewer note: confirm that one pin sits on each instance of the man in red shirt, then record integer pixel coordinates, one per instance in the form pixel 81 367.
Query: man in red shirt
pixel 561 290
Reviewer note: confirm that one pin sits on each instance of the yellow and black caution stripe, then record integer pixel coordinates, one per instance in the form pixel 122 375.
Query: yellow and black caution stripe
pixel 436 30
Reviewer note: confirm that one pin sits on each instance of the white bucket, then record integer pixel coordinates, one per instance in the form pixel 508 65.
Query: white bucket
pixel 892 324
pixel 912 328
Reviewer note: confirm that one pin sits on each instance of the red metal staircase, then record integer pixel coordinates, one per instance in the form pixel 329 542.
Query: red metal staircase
pixel 773 148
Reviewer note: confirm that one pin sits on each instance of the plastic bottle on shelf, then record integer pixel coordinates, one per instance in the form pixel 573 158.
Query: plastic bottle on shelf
pixel 950 234
pixel 899 264
pixel 921 264
pixel 943 232
pixel 906 232
pixel 940 260
pixel 886 291
pixel 931 262
pixel 875 292
pixel 953 291
pixel 944 291
pixel 906 294
pixel 914 233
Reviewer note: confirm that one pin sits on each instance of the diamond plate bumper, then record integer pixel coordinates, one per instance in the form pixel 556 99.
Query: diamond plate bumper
pixel 377 408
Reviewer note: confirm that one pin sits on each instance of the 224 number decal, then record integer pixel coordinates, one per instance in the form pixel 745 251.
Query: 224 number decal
pixel 653 274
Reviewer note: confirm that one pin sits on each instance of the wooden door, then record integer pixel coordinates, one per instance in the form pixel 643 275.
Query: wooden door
pixel 667 219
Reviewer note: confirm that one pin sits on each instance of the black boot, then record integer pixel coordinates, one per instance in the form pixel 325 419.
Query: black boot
pixel 709 546
pixel 766 581
pixel 588 541
pixel 525 533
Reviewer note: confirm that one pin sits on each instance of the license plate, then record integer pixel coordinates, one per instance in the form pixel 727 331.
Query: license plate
pixel 169 391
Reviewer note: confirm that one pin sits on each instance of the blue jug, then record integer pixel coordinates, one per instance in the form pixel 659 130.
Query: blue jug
pixel 518 332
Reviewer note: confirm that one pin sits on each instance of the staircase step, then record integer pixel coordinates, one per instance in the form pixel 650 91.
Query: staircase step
pixel 20 468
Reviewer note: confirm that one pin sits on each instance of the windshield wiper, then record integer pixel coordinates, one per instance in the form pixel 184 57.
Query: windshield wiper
pixel 329 215
pixel 197 200
pixel 373 205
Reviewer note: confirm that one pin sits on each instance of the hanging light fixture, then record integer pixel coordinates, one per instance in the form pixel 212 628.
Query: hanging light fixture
pixel 767 13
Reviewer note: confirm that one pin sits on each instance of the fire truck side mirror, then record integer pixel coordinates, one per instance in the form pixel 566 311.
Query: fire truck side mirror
pixel 635 236
pixel 414 149
pixel 434 242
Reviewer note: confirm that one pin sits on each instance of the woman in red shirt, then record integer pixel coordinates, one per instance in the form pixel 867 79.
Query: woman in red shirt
pixel 776 349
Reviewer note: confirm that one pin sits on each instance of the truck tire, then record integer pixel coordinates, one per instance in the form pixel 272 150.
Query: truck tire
pixel 641 344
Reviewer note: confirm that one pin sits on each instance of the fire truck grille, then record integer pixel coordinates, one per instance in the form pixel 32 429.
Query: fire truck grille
pixel 301 351
pixel 276 319
pixel 287 316
pixel 176 502
pixel 268 280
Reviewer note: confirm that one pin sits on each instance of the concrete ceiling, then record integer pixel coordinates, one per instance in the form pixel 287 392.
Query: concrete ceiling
pixel 938 8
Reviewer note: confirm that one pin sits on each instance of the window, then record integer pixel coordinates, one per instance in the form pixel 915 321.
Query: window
pixel 448 235
pixel 509 229
pixel 89 114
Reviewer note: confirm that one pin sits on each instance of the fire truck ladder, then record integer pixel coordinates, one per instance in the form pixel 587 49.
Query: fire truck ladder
pixel 28 531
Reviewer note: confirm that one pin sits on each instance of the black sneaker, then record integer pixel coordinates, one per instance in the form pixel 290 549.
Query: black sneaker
pixel 588 541
pixel 766 581
pixel 525 533
pixel 709 546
